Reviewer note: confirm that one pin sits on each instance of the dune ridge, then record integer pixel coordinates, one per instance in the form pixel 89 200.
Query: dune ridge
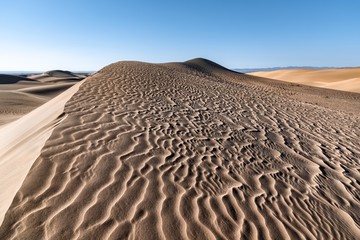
pixel 21 142
pixel 194 151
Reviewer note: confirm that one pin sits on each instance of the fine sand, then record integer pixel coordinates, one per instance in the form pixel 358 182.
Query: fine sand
pixel 188 151
pixel 344 79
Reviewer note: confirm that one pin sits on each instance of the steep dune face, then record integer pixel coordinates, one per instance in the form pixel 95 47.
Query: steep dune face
pixel 193 151
pixel 345 79
pixel 21 142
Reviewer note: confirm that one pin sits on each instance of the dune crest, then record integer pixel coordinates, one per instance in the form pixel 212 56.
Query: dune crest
pixel 194 151
pixel 21 142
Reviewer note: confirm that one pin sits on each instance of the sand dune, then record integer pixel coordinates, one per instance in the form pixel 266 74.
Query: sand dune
pixel 56 76
pixel 10 79
pixel 345 79
pixel 194 151
pixel 21 142
pixel 21 94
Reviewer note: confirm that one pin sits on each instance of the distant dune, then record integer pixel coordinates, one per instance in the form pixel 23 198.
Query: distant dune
pixel 21 94
pixel 183 151
pixel 57 76
pixel 60 73
pixel 345 79
pixel 10 79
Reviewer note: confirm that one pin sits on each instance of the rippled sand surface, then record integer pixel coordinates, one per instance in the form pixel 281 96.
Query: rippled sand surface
pixel 194 151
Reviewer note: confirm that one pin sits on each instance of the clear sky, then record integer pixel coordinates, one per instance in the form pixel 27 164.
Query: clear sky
pixel 87 35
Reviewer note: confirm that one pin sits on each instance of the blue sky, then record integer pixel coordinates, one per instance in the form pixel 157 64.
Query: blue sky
pixel 87 35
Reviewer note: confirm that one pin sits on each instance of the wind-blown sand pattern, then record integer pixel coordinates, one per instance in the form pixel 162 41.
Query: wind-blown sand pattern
pixel 194 151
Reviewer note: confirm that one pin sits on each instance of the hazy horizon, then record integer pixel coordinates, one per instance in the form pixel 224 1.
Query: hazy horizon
pixel 271 68
pixel 246 69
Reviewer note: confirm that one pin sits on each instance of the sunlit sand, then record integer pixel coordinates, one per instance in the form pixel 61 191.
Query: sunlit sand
pixel 186 150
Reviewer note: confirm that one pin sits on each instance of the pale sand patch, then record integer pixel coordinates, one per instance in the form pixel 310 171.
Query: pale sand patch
pixel 345 79
pixel 21 142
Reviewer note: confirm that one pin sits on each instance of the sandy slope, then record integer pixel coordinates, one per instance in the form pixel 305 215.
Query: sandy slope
pixel 345 79
pixel 21 142
pixel 22 94
pixel 194 151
